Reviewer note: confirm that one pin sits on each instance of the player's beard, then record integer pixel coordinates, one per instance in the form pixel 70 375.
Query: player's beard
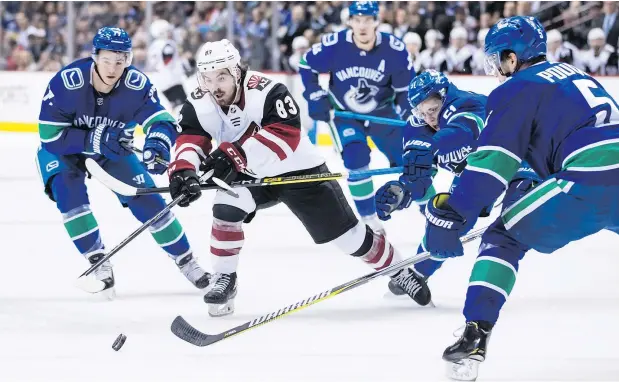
pixel 222 98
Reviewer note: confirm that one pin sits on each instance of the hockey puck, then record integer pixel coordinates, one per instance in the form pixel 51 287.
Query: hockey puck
pixel 120 341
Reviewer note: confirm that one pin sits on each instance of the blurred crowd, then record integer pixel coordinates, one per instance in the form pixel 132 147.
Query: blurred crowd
pixel 446 36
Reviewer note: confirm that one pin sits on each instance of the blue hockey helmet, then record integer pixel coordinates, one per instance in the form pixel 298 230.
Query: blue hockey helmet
pixel 523 35
pixel 363 8
pixel 425 85
pixel 113 39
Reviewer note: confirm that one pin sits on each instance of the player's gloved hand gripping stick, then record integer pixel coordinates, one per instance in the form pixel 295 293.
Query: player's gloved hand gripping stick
pixel 92 285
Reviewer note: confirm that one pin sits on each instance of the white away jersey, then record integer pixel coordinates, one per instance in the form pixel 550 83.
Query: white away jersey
pixel 265 121
pixel 163 58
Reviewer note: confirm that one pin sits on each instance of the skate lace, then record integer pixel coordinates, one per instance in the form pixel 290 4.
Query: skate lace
pixel 222 281
pixel 409 283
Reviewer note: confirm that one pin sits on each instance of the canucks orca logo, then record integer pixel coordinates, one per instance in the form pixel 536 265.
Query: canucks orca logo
pixel 361 99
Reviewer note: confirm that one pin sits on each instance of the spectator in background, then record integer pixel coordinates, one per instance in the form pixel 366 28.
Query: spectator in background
pixel 559 51
pixel 459 54
pixel 434 56
pixel 600 58
pixel 413 46
pixel 401 23
pixel 300 45
pixel 509 9
pixel 479 57
pixel 297 26
pixel 610 22
pixel 257 35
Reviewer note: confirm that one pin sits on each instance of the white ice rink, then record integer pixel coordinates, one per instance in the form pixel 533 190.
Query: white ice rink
pixel 560 323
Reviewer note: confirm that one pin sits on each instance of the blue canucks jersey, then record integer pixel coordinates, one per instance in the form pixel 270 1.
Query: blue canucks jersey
pixel 554 116
pixel 361 81
pixel 460 122
pixel 71 106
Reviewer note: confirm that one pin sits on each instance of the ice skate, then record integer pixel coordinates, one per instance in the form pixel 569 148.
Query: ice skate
pixel 192 270
pixel 220 298
pixel 463 357
pixel 105 275
pixel 409 282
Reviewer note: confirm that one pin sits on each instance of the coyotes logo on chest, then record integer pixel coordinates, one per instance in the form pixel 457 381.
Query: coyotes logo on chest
pixel 257 82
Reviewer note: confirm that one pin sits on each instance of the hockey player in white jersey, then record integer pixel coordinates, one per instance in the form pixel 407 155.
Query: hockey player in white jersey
pixel 163 58
pixel 255 120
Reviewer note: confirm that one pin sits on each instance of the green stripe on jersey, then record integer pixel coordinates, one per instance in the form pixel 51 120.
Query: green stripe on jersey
pixel 477 119
pixel 599 156
pixel 49 133
pixel 494 161
pixel 494 273
pixel 159 116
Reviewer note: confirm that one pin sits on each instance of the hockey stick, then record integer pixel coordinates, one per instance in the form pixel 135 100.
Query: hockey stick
pixel 371 118
pixel 183 330
pixel 94 286
pixel 128 190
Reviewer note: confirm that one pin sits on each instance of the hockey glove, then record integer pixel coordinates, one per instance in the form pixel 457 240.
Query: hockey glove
pixel 158 143
pixel 226 161
pixel 184 181
pixel 109 141
pixel 417 174
pixel 319 108
pixel 390 197
pixel 444 226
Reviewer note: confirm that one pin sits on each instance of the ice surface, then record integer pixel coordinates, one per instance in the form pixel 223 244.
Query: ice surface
pixel 559 324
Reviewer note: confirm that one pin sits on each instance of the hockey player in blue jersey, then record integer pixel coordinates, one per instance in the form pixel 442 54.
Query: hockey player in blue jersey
pixel 369 71
pixel 90 109
pixel 443 131
pixel 566 125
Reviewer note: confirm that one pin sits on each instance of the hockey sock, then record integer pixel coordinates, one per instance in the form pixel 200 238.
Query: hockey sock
pixel 376 251
pixel 362 191
pixel 83 229
pixel 227 239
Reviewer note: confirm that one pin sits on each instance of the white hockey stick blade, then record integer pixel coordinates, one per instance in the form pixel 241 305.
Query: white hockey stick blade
pixel 225 186
pixel 109 181
pixel 90 284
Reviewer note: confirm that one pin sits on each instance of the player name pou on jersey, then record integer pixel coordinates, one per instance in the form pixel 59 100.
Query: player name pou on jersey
pixel 91 122
pixel 560 72
pixel 360 71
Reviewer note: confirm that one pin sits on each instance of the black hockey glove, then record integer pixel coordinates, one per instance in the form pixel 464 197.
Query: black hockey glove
pixel 184 181
pixel 226 161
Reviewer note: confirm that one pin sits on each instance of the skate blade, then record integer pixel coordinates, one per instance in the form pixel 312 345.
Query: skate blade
pixel 90 284
pixel 465 370
pixel 220 310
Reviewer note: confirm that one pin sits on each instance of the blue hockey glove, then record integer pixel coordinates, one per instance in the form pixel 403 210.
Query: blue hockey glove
pixel 390 197
pixel 319 107
pixel 444 227
pixel 417 175
pixel 158 143
pixel 109 141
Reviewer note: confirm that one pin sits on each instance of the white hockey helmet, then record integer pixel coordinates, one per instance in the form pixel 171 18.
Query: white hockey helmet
pixel 412 38
pixel 596 34
pixel 217 55
pixel 553 35
pixel 160 29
